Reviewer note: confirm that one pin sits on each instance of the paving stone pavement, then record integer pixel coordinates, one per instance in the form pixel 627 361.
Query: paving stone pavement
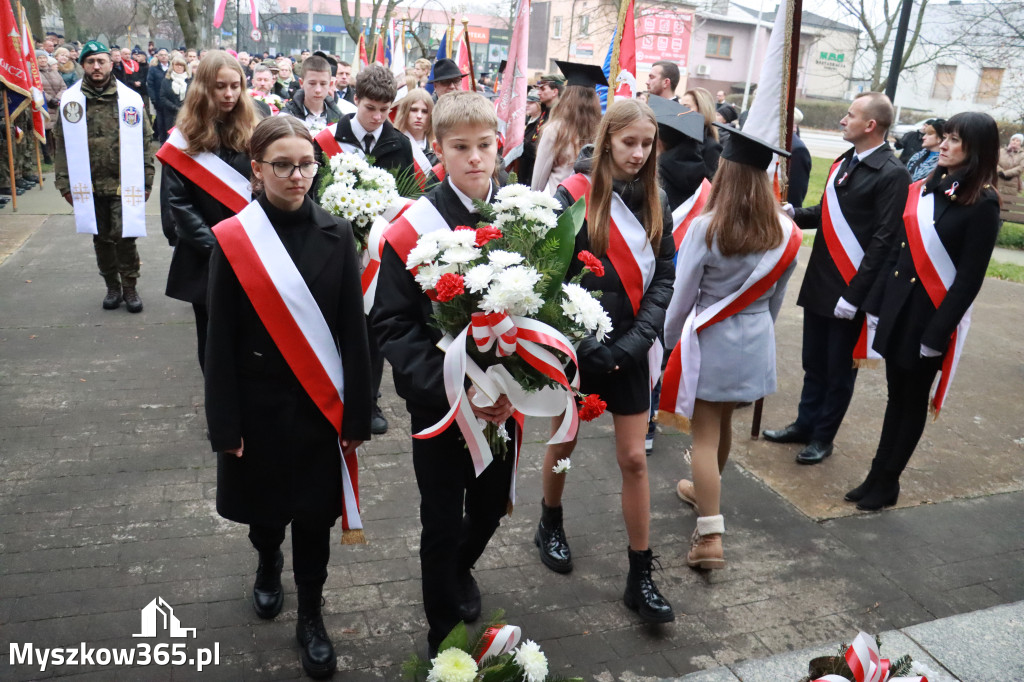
pixel 107 491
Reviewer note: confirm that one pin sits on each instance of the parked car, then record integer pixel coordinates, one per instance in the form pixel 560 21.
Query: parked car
pixel 901 129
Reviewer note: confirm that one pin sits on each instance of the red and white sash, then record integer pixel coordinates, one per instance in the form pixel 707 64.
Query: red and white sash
pixel 295 322
pixel 374 248
pixel 688 210
pixel 846 253
pixel 330 145
pixel 438 171
pixel 632 256
pixel 679 388
pixel 421 164
pixel 937 272
pixel 208 171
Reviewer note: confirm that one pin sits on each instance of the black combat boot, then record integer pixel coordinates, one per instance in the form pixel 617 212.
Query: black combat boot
pixel 267 593
pixel 113 298
pixel 318 658
pixel 132 301
pixel 642 594
pixel 550 540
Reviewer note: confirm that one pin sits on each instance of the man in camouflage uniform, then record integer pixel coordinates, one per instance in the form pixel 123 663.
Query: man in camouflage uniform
pixel 117 257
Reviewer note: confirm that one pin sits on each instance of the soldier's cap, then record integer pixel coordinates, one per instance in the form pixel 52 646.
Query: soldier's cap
pixel 532 95
pixel 741 147
pixel 331 61
pixel 556 78
pixel 674 116
pixel 585 75
pixel 90 48
pixel 445 70
pixel 271 64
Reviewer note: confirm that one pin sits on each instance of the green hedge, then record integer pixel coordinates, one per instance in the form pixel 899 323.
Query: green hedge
pixel 1011 236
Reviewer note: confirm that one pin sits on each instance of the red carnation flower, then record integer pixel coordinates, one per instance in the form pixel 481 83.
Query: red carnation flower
pixel 449 286
pixel 487 233
pixel 464 227
pixel 592 406
pixel 592 263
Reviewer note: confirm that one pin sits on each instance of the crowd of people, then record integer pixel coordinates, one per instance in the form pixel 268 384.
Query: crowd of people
pixel 695 254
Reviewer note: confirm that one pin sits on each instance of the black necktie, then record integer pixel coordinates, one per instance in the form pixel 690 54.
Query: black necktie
pixel 367 142
pixel 853 163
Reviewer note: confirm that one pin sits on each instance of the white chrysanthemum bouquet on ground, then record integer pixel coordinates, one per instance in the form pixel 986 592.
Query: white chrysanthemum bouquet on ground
pixel 494 654
pixel 511 321
pixel 351 188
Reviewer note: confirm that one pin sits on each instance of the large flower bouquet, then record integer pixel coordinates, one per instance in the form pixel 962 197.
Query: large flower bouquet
pixel 351 188
pixel 270 99
pixel 862 662
pixel 493 655
pixel 502 283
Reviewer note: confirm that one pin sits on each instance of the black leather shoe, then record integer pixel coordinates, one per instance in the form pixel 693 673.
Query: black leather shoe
pixel 378 423
pixel 267 593
pixel 469 598
pixel 787 434
pixel 815 452
pixel 641 594
pixel 318 658
pixel 550 540
pixel 883 493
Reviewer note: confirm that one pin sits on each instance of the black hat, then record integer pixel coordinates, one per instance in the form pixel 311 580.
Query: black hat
pixel 675 116
pixel 728 112
pixel 331 61
pixel 741 147
pixel 586 75
pixel 445 70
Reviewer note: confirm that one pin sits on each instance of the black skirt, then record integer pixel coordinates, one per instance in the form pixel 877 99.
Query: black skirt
pixel 627 391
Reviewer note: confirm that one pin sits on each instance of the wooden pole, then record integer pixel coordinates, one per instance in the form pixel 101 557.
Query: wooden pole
pixel 469 51
pixel 10 156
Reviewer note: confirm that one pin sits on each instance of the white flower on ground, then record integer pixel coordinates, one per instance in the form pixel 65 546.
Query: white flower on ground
pixel 453 665
pixel 562 466
pixel 580 306
pixel 532 660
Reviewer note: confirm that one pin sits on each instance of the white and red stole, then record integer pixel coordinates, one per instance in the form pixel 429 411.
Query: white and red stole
pixel 630 253
pixel 295 322
pixel 846 253
pixel 688 210
pixel 937 272
pixel 679 387
pixel 421 164
pixel 438 171
pixel 332 147
pixel 208 171
pixel 374 249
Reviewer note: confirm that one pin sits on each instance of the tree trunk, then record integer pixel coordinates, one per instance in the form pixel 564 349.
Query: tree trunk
pixel 35 19
pixel 185 12
pixel 72 29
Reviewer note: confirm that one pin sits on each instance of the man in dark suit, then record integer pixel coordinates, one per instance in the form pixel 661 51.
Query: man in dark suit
pixel 799 165
pixel 344 90
pixel 869 190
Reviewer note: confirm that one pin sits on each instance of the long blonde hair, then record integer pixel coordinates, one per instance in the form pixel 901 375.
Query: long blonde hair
pixel 578 114
pixel 413 96
pixel 199 119
pixel 620 115
pixel 706 108
pixel 744 211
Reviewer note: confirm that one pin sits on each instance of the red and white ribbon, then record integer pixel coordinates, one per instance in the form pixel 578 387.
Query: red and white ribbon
pixel 937 272
pixel 688 210
pixel 208 171
pixel 498 640
pixel 867 664
pixel 330 145
pixel 374 248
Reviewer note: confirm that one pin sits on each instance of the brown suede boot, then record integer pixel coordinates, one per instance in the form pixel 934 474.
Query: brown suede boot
pixel 706 545
pixel 131 296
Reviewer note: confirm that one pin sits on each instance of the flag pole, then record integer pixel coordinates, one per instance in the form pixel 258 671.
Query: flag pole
pixel 620 22
pixel 469 51
pixel 10 156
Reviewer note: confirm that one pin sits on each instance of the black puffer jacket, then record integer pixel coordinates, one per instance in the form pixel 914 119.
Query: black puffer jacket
pixel 632 335
pixel 188 213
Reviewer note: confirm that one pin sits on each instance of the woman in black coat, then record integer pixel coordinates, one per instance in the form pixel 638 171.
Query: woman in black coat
pixel 279 458
pixel 616 368
pixel 917 319
pixel 173 89
pixel 189 206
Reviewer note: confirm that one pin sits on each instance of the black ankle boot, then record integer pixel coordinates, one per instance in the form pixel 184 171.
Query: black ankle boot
pixel 318 658
pixel 550 540
pixel 267 593
pixel 642 594
pixel 113 298
pixel 858 493
pixel 884 492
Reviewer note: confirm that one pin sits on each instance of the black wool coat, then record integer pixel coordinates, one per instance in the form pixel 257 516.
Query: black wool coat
pixel 291 464
pixel 872 199
pixel 907 318
pixel 188 214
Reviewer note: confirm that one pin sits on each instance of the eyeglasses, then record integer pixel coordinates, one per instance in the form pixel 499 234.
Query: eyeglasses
pixel 283 169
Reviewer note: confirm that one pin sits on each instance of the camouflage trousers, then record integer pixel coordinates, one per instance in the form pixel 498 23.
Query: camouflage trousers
pixel 115 255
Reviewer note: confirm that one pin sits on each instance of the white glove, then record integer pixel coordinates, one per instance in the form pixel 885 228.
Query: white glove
pixel 872 321
pixel 844 310
pixel 788 208
pixel 927 352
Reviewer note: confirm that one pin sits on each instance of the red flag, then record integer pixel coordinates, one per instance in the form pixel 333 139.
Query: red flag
pixel 13 72
pixel 363 59
pixel 625 68
pixel 511 106
pixel 462 59
pixel 35 80
pixel 378 51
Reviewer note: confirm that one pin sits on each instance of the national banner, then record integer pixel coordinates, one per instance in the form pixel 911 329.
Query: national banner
pixel 364 61
pixel 378 50
pixel 624 56
pixel 396 57
pixel 35 81
pixel 218 15
pixel 13 72
pixel 462 59
pixel 511 105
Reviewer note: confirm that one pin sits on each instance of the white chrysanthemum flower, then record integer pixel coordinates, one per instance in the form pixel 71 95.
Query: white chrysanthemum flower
pixel 425 251
pixel 512 292
pixel 479 278
pixel 509 191
pixel 449 239
pixel 459 255
pixel 504 259
pixel 454 665
pixel 583 309
pixel 532 660
pixel 562 466
pixel 428 275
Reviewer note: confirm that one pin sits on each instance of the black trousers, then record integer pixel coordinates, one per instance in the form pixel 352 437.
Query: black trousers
pixel 459 512
pixel 376 362
pixel 202 322
pixel 311 549
pixel 829 375
pixel 906 413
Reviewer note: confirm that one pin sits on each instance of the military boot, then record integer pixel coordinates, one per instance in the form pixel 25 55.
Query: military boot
pixel 113 298
pixel 318 657
pixel 131 296
pixel 267 592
